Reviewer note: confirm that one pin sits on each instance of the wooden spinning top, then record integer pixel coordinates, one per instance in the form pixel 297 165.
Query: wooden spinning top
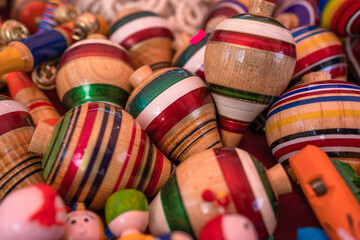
pixel 238 179
pixel 19 168
pixel 146 35
pixel 94 70
pixel 96 149
pixel 321 112
pixel 176 110
pixel 249 60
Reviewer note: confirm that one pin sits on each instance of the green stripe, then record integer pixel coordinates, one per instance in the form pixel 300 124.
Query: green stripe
pixel 155 88
pixel 243 95
pixel 190 51
pixel 130 18
pixel 267 185
pixel 95 93
pixel 259 19
pixel 3 97
pixel 173 207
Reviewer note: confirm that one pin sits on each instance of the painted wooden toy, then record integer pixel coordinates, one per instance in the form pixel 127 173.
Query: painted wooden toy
pixel 33 213
pixel 146 35
pixel 318 49
pixel 176 110
pixel 47 21
pixel 332 189
pixel 25 54
pixel 28 12
pixel 23 90
pixel 127 214
pixel 352 49
pixel 247 189
pixel 324 113
pixel 19 168
pixel 341 17
pixel 13 30
pixel 220 11
pixel 88 23
pixel 190 56
pixel 82 224
pixel 94 70
pixel 96 149
pixel 249 61
pixel 229 227
pixel 297 13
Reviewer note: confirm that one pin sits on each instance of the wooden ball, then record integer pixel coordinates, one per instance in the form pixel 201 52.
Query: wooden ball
pixel 318 49
pixel 18 167
pixel 94 70
pixel 322 113
pixel 180 204
pixel 176 110
pixel 146 35
pixel 249 61
pixel 96 149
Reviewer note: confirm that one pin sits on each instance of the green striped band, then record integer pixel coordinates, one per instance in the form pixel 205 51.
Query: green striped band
pixel 155 88
pixel 258 19
pixel 130 18
pixel 190 51
pixel 95 93
pixel 239 94
pixel 267 185
pixel 173 206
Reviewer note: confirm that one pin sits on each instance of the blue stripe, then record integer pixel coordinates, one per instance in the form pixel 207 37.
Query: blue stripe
pixel 303 30
pixel 321 5
pixel 312 34
pixel 314 100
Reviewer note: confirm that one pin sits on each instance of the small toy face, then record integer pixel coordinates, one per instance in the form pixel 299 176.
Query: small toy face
pixel 83 224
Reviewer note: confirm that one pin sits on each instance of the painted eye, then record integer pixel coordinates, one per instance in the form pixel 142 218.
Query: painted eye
pixel 73 221
pixel 86 219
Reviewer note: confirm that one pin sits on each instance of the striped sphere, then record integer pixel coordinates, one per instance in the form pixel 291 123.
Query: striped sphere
pixel 340 16
pixel 28 12
pixel 146 35
pixel 352 49
pixel 94 70
pixel 322 113
pixel 177 112
pixel 97 149
pixel 249 61
pixel 318 49
pixel 192 57
pixel 18 167
pixel 179 205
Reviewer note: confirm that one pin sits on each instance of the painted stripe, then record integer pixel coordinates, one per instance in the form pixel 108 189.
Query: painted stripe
pixel 14 120
pixel 351 44
pixel 196 61
pixel 255 42
pixel 232 125
pixel 257 28
pixel 301 30
pixel 353 23
pixel 258 18
pixel 238 184
pixel 173 207
pixel 39 104
pixel 317 41
pixel 311 35
pixel 18 165
pixel 10 106
pixel 149 159
pixel 191 51
pixel 154 180
pixel 157 217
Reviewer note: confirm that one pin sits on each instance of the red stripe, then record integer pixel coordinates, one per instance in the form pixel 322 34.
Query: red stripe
pixel 51 121
pixel 340 71
pixel 233 125
pixel 213 229
pixel 156 175
pixel 323 82
pixel 13 120
pixel 317 56
pixel 18 81
pixel 142 35
pixel 68 30
pixel 239 187
pixel 355 26
pixel 138 160
pixel 320 143
pixel 39 104
pixel 343 14
pixel 177 111
pixel 80 148
pixel 254 41
pixel 94 50
pixel 200 72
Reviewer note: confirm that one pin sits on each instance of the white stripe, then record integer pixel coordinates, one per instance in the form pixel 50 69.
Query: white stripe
pixel 256 28
pixel 196 60
pixel 138 25
pixel 96 40
pixel 237 109
pixel 158 224
pixel 351 55
pixel 262 201
pixel 166 98
pixel 9 106
pixel 351 21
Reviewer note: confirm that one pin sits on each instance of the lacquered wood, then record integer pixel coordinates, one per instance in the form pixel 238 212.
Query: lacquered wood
pixel 176 110
pixel 94 70
pixel 28 12
pixel 230 171
pixel 352 49
pixel 97 149
pixel 18 167
pixel 318 49
pixel 249 61
pixel 23 90
pixel 146 35
pixel 47 21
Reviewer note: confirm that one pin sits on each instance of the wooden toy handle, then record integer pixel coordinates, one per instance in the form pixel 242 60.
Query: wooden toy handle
pixel 279 179
pixel 316 76
pixel 262 7
pixel 140 74
pixel 41 138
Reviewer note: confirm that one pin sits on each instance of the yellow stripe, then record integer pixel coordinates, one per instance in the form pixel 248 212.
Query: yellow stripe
pixel 329 11
pixel 317 47
pixel 312 115
pixel 316 40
